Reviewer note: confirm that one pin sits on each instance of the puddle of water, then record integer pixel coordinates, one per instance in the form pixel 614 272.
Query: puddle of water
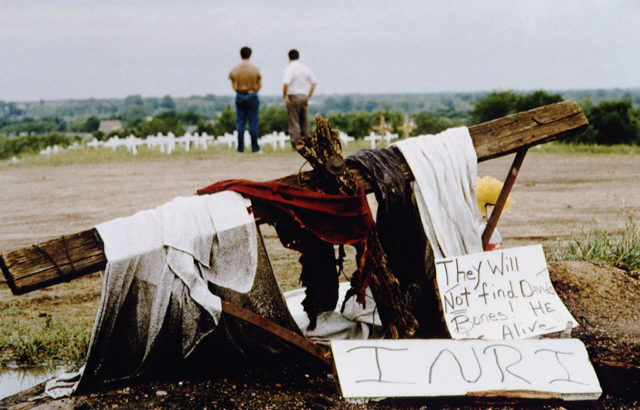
pixel 16 379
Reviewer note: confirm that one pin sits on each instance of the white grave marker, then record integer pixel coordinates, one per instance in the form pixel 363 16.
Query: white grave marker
pixel 500 295
pixel 550 368
pixel 373 139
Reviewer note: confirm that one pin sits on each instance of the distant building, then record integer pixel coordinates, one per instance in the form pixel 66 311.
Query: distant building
pixel 107 126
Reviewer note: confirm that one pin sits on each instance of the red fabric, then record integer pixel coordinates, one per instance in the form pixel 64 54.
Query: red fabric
pixel 337 219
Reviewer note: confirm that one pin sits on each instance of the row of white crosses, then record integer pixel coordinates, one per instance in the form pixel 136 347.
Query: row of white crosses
pixel 56 149
pixel 168 143
pixel 278 140
pixel 165 143
pixel 384 131
pixel 50 150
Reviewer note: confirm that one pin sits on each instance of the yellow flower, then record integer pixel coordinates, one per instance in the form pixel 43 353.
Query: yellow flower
pixel 488 190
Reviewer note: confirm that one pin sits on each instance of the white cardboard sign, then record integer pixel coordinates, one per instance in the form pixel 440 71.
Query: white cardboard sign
pixel 549 368
pixel 504 294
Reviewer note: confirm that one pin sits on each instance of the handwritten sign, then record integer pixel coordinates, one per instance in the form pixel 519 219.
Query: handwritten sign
pixel 500 295
pixel 549 368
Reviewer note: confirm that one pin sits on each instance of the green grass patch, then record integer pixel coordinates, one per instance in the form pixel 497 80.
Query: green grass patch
pixel 43 340
pixel 30 144
pixel 49 326
pixel 620 250
pixel 107 155
pixel 89 155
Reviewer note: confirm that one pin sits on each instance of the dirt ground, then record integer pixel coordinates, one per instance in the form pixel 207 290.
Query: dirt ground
pixel 556 197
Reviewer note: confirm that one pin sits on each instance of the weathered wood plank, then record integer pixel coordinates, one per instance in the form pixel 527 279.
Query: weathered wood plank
pixel 54 261
pixel 28 269
pixel 506 135
pixel 280 331
pixel 502 136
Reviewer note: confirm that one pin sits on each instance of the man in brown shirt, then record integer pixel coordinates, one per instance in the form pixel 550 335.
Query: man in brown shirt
pixel 246 81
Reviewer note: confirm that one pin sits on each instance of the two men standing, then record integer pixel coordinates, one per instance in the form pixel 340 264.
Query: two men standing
pixel 298 86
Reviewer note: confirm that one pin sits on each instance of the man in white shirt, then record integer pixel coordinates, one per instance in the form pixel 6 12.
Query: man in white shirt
pixel 299 84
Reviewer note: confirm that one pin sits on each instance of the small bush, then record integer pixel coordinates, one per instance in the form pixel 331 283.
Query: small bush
pixel 621 251
pixel 10 146
pixel 43 340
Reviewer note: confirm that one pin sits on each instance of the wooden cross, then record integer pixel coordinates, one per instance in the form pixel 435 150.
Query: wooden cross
pixel 68 257
pixel 406 127
pixel 383 127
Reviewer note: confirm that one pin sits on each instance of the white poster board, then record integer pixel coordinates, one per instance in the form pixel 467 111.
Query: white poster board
pixel 544 368
pixel 504 294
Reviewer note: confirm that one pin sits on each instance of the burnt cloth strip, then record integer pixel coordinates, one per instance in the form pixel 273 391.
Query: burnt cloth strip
pixel 311 223
pixel 401 234
pixel 397 221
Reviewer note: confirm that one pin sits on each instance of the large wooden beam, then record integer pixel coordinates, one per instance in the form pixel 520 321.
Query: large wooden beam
pixel 68 257
pixel 503 136
pixel 55 261
pixel 507 135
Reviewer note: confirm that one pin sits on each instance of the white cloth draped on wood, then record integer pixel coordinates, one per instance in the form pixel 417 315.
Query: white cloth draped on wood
pixel 155 291
pixel 445 168
pixel 355 322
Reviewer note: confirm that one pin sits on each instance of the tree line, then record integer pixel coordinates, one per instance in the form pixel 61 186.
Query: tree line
pixel 610 121
pixel 209 105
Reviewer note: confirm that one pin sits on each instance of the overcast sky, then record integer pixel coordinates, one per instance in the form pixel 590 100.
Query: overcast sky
pixel 110 48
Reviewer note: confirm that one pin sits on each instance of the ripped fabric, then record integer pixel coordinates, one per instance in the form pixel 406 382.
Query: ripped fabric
pixel 311 223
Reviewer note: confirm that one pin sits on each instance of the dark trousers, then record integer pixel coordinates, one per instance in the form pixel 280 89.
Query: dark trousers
pixel 297 117
pixel 247 108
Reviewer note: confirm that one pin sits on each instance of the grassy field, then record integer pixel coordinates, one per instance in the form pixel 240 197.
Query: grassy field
pixel 107 155
pixel 561 148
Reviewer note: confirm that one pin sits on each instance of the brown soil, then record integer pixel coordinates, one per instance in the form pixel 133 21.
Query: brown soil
pixel 556 196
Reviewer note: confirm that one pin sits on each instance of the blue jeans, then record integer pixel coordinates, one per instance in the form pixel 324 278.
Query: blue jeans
pixel 247 106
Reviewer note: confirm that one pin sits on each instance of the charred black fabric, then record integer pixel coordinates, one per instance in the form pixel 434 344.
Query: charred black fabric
pixel 398 221
pixel 401 234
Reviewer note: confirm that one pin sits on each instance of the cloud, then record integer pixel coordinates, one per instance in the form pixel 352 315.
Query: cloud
pixel 118 48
